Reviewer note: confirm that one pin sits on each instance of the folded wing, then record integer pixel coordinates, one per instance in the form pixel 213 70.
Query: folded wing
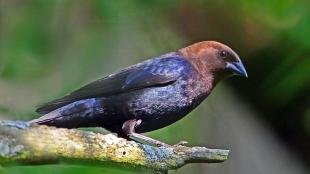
pixel 151 73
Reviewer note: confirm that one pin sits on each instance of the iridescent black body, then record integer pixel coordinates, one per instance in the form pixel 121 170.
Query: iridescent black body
pixel 147 96
pixel 157 106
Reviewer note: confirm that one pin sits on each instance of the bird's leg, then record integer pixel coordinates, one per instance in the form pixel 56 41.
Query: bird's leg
pixel 129 129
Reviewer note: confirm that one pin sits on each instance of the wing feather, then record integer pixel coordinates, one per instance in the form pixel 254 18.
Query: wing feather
pixel 151 73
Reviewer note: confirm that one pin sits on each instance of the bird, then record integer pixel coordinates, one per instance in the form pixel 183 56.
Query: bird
pixel 146 96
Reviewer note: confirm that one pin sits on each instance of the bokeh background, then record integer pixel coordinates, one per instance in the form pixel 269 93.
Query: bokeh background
pixel 51 47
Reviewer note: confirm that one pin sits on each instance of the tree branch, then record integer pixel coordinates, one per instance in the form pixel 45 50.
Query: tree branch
pixel 21 144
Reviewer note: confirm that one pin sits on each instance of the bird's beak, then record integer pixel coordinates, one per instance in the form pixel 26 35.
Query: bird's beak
pixel 237 68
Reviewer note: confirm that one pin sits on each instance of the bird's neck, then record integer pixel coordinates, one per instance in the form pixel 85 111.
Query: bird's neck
pixel 205 69
pixel 209 82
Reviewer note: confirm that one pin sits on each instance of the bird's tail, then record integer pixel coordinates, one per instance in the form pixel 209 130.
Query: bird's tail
pixel 81 113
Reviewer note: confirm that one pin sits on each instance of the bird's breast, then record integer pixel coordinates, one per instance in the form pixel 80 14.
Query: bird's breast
pixel 174 100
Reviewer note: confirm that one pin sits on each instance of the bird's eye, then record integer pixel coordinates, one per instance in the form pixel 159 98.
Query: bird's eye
pixel 223 54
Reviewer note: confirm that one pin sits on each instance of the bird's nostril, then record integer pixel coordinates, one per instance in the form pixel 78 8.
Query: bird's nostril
pixel 237 68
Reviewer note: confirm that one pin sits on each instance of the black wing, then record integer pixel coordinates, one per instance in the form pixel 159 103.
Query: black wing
pixel 156 72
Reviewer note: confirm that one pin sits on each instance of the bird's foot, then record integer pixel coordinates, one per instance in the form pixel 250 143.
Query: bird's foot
pixel 129 129
pixel 181 143
pixel 147 140
pixel 150 141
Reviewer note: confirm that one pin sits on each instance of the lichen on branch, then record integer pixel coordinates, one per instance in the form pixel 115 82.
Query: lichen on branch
pixel 22 144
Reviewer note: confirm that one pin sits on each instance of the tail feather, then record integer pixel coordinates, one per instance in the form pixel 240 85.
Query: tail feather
pixel 78 114
pixel 46 118
pixel 51 106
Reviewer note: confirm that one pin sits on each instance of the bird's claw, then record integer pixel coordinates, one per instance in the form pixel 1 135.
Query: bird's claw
pixel 160 144
pixel 181 143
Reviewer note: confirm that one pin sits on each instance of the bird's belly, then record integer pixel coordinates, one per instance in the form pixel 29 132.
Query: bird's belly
pixel 160 107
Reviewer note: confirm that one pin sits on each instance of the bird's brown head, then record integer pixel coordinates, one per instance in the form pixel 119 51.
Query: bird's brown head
pixel 214 58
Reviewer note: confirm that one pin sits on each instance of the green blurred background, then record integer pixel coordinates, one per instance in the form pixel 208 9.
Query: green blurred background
pixel 51 47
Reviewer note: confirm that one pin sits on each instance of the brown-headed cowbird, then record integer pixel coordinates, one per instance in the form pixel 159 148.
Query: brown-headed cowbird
pixel 146 96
